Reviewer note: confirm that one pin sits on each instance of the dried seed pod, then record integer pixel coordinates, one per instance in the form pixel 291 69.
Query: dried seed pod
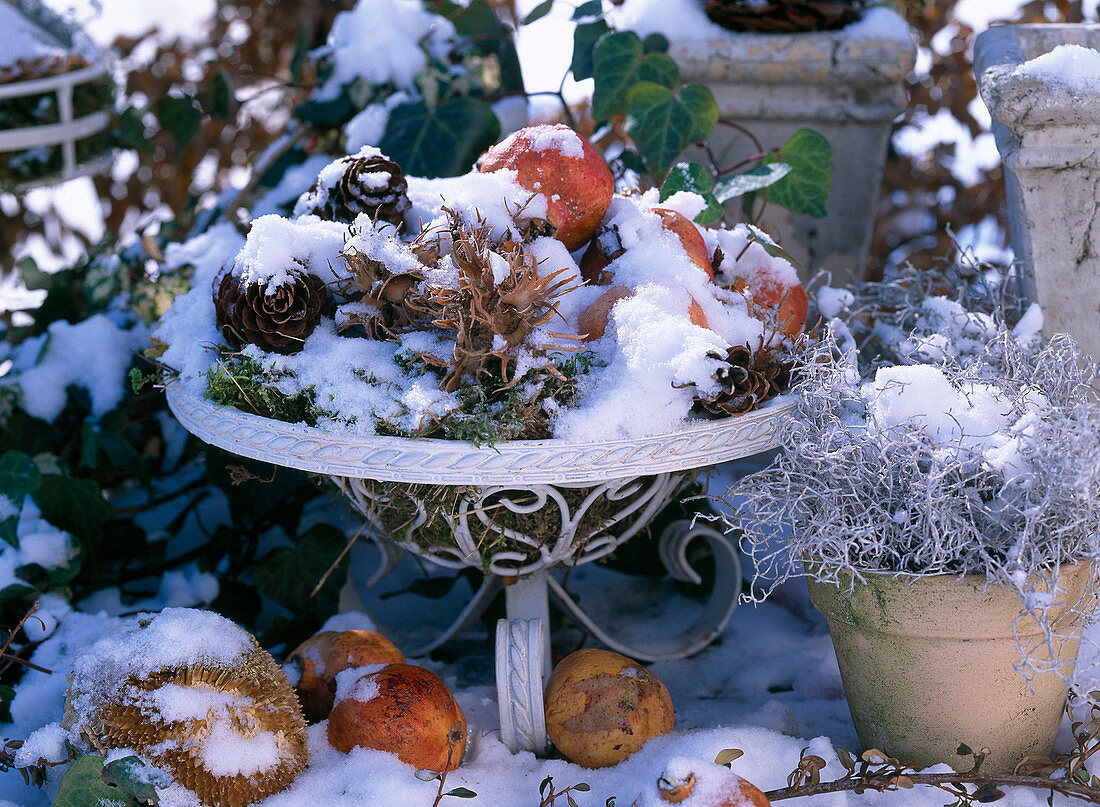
pixel 276 319
pixel 747 378
pixel 221 717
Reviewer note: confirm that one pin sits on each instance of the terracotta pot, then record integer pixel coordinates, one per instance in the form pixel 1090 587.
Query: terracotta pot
pixel 928 665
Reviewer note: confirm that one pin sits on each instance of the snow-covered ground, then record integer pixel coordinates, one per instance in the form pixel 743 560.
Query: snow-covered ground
pixel 769 686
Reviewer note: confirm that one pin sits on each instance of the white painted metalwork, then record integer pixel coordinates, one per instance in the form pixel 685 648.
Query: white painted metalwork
pixel 522 477
pixel 451 462
pixel 69 129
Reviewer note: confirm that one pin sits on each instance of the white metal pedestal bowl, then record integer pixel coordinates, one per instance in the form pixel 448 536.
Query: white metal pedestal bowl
pixel 522 477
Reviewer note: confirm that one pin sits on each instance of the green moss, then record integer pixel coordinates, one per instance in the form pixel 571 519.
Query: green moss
pixel 398 506
pixel 242 382
pixel 491 411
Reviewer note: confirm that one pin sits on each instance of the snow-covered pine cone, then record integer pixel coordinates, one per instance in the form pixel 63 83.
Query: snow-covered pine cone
pixel 278 320
pixel 747 378
pixel 763 16
pixel 373 185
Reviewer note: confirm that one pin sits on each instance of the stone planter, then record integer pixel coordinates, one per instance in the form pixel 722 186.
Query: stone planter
pixel 929 664
pixel 846 84
pixel 1048 134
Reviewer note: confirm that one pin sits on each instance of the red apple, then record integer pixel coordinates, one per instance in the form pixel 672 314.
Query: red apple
pixel 321 657
pixel 405 710
pixel 566 170
pixel 690 237
pixel 788 304
pixel 602 250
pixel 592 322
pixel 601 707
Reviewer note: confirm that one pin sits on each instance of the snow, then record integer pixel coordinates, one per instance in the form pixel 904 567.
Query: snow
pixel 976 419
pixel 559 138
pixel 94 354
pixel 384 41
pixel 1072 66
pixel 278 249
pixel 174 637
pixel 357 683
pixel 832 301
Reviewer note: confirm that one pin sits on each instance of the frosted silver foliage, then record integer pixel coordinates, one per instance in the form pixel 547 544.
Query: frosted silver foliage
pixel 849 499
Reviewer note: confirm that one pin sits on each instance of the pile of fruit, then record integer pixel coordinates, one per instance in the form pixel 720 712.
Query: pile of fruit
pixel 527 294
pixel 193 694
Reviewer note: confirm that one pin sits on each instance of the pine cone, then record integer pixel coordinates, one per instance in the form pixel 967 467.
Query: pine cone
pixel 748 379
pixel 278 321
pixel 372 185
pixel 783 17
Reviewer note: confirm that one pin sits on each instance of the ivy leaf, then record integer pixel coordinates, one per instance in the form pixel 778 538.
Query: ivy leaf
pixel 287 575
pixel 538 12
pixel 773 249
pixel 655 43
pixel 179 116
pixel 301 50
pixel 585 36
pixel 83 786
pixel 619 62
pixel 694 178
pixel 663 123
pixel 590 8
pixel 134 777
pixel 762 176
pixel 74 505
pixel 326 114
pixel 131 130
pixel 440 142
pixel 18 477
pixel 806 188
pixel 218 97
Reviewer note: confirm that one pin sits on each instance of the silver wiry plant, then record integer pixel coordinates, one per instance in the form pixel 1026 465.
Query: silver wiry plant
pixel 854 500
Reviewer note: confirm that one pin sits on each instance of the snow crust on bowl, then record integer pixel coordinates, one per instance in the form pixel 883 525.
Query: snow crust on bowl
pixel 646 363
pixel 1074 67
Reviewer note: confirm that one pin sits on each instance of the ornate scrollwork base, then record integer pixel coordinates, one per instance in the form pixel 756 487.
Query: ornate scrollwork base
pixel 523 571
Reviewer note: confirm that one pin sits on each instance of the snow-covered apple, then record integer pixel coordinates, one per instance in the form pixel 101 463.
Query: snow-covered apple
pixel 319 659
pixel 689 782
pixel 402 709
pixel 592 322
pixel 566 170
pixel 694 245
pixel 605 247
pixel 789 302
pixel 601 707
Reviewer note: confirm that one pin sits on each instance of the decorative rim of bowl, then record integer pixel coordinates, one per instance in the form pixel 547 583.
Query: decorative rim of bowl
pixel 452 462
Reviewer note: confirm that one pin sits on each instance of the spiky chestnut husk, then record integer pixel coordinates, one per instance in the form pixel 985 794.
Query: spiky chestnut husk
pixel 264 703
pixel 479 309
pixel 393 299
pixel 278 320
pixel 783 17
pixel 372 185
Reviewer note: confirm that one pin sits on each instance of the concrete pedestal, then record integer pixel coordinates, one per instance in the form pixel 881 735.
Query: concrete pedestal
pixel 845 84
pixel 1048 134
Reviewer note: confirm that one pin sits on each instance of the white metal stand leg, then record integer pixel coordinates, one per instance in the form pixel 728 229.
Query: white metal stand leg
pixel 528 598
